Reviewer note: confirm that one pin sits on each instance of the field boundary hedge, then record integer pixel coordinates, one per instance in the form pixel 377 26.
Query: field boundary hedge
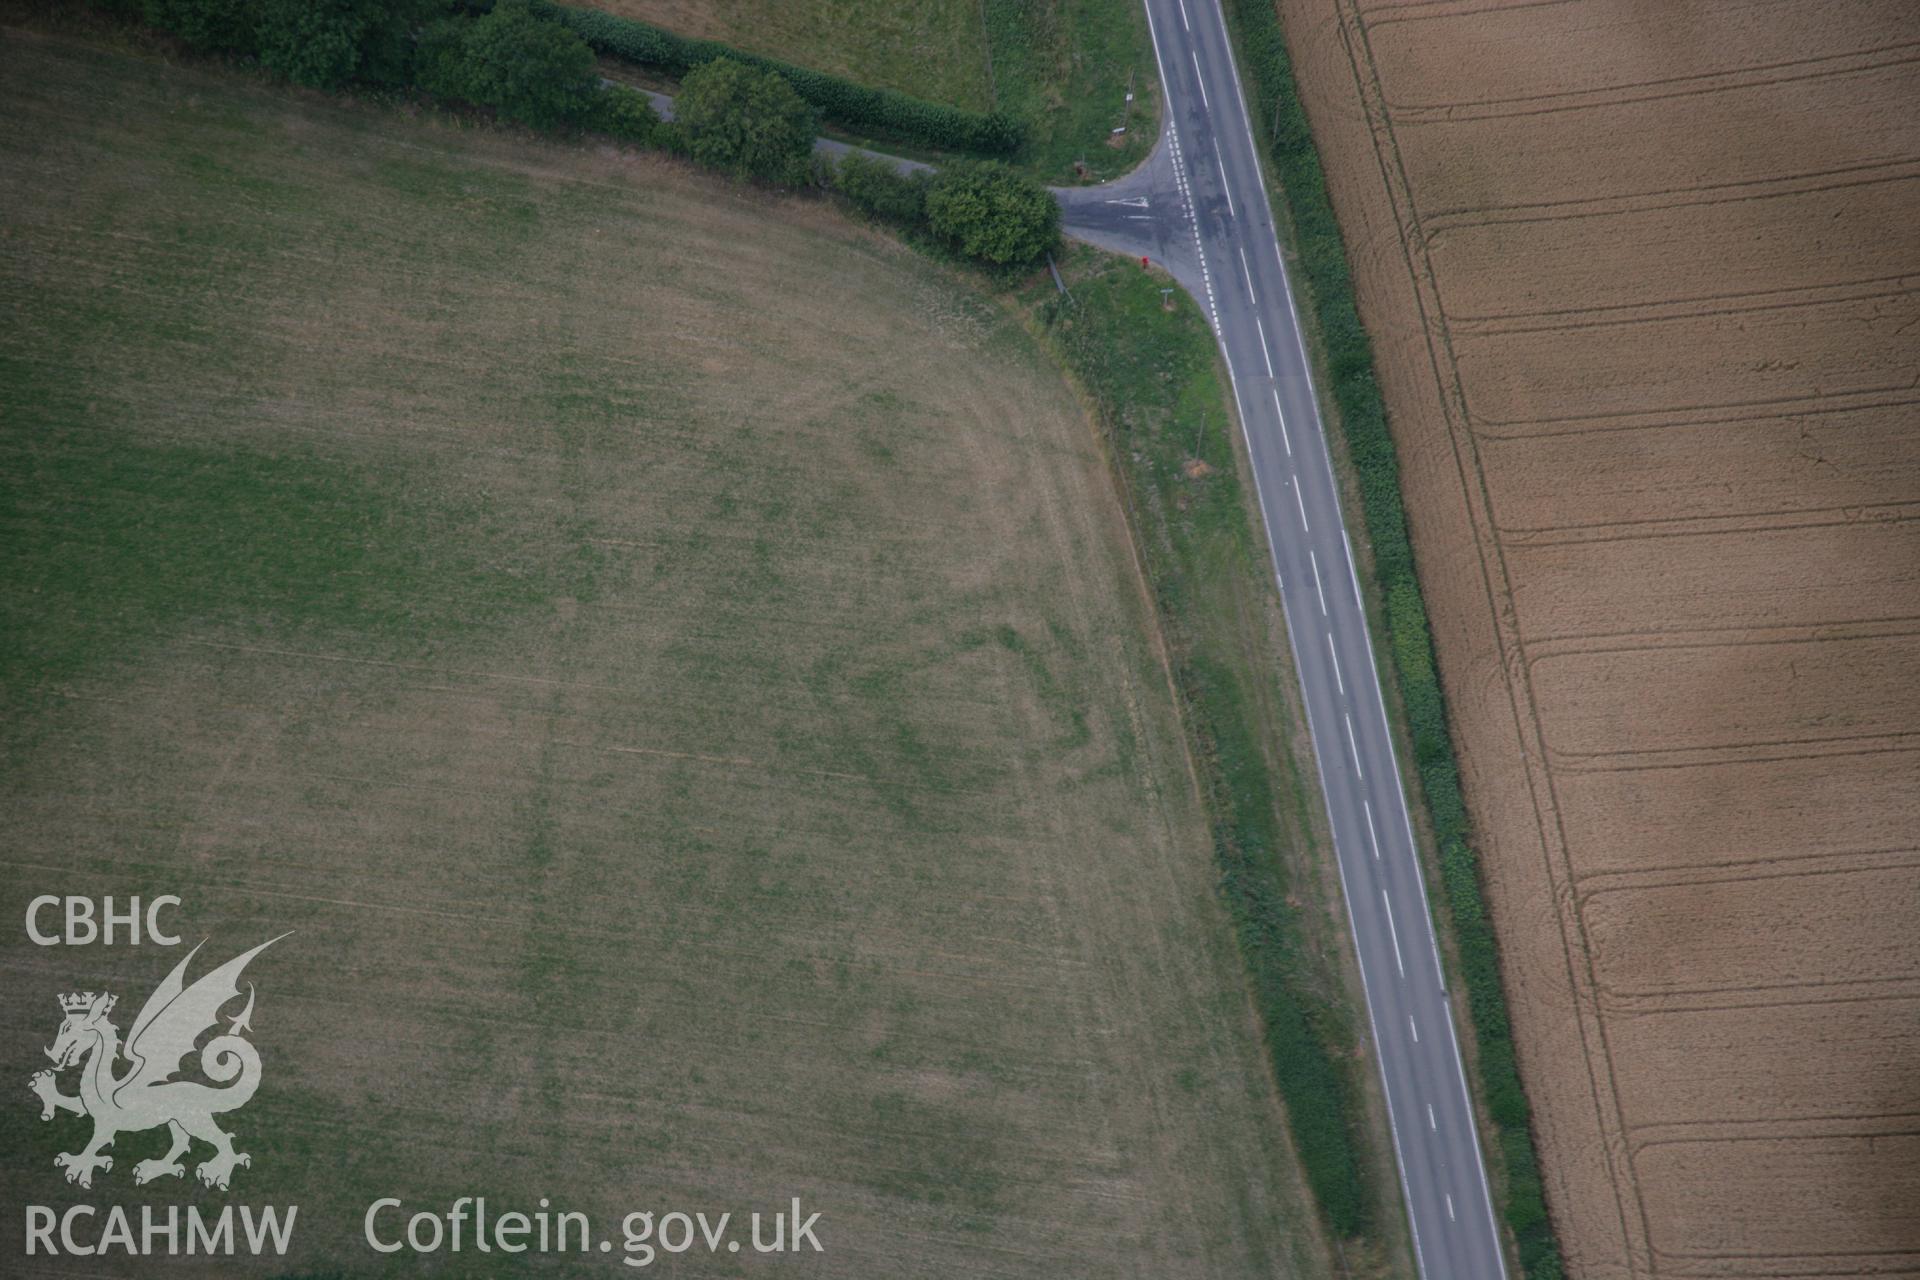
pixel 855 107
pixel 1321 256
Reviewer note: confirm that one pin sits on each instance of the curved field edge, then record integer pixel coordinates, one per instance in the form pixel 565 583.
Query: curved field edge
pixel 1348 379
pixel 1151 371
pixel 227 275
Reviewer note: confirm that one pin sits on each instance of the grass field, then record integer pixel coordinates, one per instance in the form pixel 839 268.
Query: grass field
pixel 674 659
pixel 1153 372
pixel 936 51
pixel 1064 67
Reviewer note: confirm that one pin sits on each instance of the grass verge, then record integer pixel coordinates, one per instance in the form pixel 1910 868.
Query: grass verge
pixel 1327 285
pixel 1151 373
pixel 1066 68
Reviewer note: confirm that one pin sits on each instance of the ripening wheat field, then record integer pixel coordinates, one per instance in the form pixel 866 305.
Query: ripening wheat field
pixel 1642 283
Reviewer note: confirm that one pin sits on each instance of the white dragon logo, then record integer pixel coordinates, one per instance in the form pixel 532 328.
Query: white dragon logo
pixel 147 1096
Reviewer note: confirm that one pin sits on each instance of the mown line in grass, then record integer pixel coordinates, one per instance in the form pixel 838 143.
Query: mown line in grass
pixel 1327 286
pixel 1150 371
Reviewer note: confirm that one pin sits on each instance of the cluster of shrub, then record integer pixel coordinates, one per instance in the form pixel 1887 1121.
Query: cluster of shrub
pixel 1363 420
pixel 981 208
pixel 742 116
pixel 499 56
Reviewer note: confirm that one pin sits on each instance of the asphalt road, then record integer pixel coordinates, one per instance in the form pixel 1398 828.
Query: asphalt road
pixel 1198 207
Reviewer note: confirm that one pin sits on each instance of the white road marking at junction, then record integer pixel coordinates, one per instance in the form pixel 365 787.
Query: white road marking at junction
pixel 1372 839
pixel 1314 560
pixel 1394 933
pixel 1354 746
pixel 1285 439
pixel 1253 152
pixel 1334 654
pixel 1193 221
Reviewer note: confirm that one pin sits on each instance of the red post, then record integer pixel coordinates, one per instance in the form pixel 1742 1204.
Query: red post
pixel 1144 264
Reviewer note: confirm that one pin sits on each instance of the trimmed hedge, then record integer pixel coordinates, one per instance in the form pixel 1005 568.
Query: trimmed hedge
pixel 1363 418
pixel 875 186
pixel 982 211
pixel 854 107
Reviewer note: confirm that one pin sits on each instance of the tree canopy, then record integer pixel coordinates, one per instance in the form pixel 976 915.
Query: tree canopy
pixel 526 68
pixel 990 212
pixel 315 42
pixel 745 121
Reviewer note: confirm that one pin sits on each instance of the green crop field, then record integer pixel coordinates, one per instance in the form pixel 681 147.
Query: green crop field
pixel 674 659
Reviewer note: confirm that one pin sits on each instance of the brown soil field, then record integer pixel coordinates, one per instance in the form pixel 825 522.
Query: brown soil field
pixel 1644 286
pixel 673 657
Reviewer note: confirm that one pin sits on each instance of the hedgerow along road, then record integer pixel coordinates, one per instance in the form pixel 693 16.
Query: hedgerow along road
pixel 1199 208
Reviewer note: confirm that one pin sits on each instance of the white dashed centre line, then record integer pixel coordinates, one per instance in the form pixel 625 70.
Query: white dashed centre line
pixel 1353 574
pixel 1230 234
pixel 1354 747
pixel 1432 1123
pixel 1413 1027
pixel 1393 933
pixel 1334 654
